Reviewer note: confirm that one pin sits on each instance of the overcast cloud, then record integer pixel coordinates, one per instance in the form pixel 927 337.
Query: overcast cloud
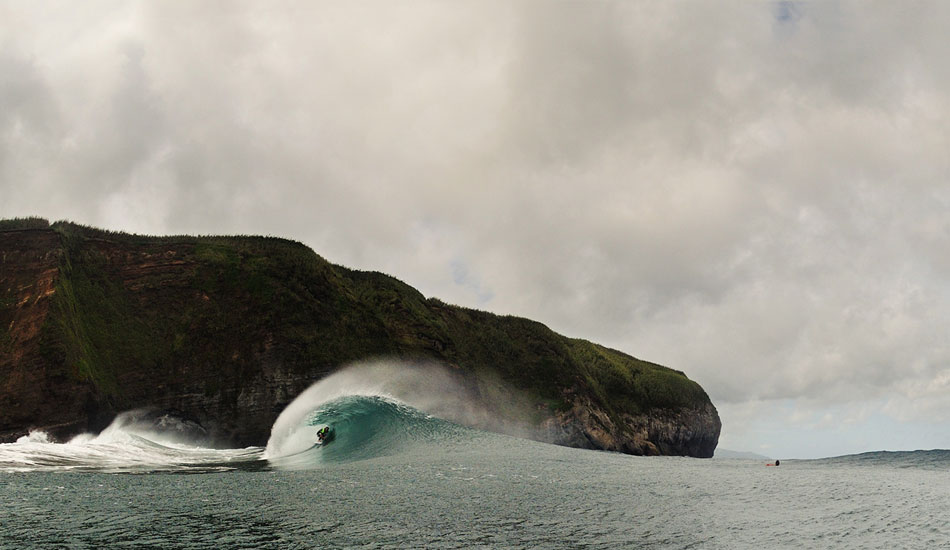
pixel 755 193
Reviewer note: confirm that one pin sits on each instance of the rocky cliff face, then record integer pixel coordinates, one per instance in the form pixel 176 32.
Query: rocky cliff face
pixel 684 432
pixel 227 331
pixel 30 387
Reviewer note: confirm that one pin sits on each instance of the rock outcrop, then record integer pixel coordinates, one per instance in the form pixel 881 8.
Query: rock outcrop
pixel 228 330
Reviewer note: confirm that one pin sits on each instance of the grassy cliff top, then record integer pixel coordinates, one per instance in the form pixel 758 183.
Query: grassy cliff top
pixel 174 302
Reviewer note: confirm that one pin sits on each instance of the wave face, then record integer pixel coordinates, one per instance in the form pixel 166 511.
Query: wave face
pixel 374 410
pixel 363 427
pixel 138 441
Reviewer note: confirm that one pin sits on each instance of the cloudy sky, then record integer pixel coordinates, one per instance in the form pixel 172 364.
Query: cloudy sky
pixel 756 193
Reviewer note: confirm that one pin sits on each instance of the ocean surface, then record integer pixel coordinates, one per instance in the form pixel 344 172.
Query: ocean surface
pixel 396 476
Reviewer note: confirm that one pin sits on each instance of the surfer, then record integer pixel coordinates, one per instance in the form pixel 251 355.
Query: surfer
pixel 324 435
pixel 777 462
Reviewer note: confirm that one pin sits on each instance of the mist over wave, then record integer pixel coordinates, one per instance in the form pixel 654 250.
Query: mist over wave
pixel 366 427
pixel 375 409
pixel 399 402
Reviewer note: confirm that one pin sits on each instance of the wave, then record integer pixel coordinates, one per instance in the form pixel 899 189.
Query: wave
pixel 363 427
pixel 926 459
pixel 136 441
pixel 377 409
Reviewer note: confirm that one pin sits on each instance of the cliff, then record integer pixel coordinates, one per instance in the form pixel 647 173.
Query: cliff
pixel 228 330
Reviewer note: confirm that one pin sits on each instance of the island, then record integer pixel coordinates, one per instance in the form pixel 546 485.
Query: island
pixel 226 331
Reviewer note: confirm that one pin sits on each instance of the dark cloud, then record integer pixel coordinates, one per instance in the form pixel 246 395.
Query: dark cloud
pixel 753 193
pixel 29 125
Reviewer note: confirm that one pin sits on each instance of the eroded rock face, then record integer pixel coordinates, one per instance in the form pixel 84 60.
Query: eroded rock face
pixel 32 388
pixel 683 432
pixel 30 261
pixel 228 331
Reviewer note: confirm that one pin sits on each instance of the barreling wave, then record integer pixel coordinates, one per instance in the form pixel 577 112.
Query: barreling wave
pixel 374 410
pixel 136 442
pixel 363 427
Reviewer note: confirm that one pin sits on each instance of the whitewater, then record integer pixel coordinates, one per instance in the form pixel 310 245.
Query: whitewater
pixel 412 469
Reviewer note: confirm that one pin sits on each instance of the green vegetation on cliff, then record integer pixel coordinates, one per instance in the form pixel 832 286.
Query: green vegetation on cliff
pixel 132 303
pixel 243 292
pixel 138 316
pixel 31 222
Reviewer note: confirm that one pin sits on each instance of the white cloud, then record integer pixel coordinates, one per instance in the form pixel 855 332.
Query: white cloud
pixel 753 193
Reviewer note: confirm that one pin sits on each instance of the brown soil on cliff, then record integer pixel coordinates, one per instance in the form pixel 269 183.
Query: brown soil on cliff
pixel 228 330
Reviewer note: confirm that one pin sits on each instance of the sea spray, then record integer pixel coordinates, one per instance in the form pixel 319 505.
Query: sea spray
pixel 380 408
pixel 35 436
pixel 144 440
pixel 430 388
pixel 365 427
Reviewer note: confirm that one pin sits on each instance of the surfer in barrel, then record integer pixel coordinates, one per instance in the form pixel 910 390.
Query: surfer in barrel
pixel 324 435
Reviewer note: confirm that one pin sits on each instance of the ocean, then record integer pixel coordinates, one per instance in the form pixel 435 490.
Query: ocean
pixel 395 476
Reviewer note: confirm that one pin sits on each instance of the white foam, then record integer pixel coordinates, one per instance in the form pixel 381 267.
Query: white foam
pixel 427 387
pixel 35 436
pixel 123 446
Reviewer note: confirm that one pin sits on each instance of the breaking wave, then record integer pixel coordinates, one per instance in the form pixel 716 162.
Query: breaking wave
pixel 363 427
pixel 374 410
pixel 136 442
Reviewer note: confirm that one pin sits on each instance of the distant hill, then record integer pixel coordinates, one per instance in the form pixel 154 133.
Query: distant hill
pixel 228 330
pixel 726 453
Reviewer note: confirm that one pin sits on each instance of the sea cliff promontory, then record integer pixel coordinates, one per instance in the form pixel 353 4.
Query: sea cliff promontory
pixel 228 330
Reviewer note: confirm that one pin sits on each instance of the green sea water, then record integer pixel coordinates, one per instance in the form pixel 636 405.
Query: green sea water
pixel 451 487
pixel 395 475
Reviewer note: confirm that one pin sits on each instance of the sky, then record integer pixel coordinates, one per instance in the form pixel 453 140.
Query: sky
pixel 755 193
